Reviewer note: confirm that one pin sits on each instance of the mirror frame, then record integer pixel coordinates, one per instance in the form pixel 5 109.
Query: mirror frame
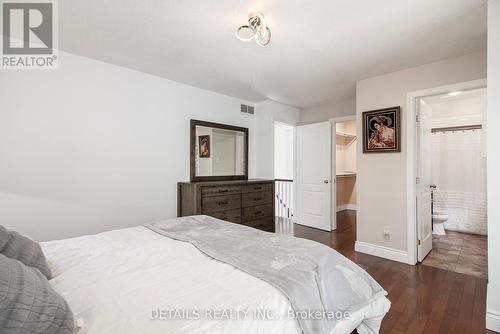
pixel 195 178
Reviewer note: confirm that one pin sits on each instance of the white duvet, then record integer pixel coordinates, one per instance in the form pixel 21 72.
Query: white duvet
pixel 119 281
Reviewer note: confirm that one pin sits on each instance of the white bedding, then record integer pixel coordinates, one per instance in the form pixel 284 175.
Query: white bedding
pixel 115 280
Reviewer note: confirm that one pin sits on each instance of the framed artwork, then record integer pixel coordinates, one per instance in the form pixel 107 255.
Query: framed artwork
pixel 382 130
pixel 204 146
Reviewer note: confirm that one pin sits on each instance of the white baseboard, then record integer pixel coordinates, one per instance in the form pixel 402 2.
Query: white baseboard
pixel 493 321
pixel 381 251
pixel 343 207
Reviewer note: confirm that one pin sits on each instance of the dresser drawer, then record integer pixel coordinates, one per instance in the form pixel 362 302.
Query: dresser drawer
pixel 250 188
pixel 253 199
pixel 220 190
pixel 265 224
pixel 233 216
pixel 257 212
pixel 220 203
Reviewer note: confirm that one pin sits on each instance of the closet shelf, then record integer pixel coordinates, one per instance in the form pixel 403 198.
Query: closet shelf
pixel 346 174
pixel 347 137
pixel 345 134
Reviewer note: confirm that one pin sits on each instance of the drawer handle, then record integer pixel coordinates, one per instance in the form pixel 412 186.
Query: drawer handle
pixel 257 188
pixel 223 190
pixel 257 212
pixel 223 202
pixel 257 198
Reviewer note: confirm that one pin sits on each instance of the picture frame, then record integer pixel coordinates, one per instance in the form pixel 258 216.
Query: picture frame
pixel 204 146
pixel 382 130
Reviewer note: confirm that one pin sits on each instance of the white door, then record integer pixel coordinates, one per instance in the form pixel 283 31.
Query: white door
pixel 424 151
pixel 313 175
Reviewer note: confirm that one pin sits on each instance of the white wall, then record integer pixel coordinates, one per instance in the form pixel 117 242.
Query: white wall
pixel 328 110
pixel 493 120
pixel 91 146
pixel 270 112
pixel 382 177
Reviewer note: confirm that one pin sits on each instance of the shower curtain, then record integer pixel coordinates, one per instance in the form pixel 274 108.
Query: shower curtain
pixel 459 171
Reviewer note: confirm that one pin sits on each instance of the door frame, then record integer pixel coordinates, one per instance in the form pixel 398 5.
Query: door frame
pixel 294 184
pixel 411 155
pixel 292 125
pixel 333 174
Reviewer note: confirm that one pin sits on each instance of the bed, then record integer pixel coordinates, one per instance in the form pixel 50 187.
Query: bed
pixel 136 280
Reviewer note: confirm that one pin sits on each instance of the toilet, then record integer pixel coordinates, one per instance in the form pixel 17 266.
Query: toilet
pixel 438 220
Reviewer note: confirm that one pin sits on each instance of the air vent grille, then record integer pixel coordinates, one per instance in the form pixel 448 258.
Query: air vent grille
pixel 247 109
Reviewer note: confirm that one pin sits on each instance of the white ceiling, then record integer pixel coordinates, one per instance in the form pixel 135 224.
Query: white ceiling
pixel 319 47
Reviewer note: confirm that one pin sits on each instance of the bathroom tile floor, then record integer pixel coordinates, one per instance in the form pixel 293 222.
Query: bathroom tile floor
pixel 459 252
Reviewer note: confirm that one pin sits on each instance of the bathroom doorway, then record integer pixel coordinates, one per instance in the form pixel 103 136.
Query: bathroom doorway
pixel 451 147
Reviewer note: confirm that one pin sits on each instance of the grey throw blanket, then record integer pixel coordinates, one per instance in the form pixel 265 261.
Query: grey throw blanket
pixel 28 304
pixel 313 276
pixel 23 249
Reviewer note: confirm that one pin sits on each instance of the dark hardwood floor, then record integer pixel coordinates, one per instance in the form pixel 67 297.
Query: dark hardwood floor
pixel 424 299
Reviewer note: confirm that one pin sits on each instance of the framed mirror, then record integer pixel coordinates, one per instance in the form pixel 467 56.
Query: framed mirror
pixel 219 152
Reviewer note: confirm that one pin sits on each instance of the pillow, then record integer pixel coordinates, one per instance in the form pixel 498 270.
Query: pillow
pixel 28 304
pixel 23 249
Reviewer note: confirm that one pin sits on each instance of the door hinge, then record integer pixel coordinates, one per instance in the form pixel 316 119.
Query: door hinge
pixel 417 118
pixel 418 242
pixel 417 180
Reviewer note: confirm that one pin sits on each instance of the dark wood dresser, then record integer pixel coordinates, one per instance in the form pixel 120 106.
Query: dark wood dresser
pixel 247 202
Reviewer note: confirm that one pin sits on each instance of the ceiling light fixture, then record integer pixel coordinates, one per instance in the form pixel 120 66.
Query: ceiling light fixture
pixel 256 28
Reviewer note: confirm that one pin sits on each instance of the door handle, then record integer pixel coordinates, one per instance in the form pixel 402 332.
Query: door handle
pixel 326 181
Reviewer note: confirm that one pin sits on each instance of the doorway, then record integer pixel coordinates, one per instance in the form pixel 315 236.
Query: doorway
pixel 344 169
pixel 326 173
pixel 451 181
pixel 284 138
pixel 314 175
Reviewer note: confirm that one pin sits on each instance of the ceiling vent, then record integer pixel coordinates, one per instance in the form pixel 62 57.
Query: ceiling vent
pixel 247 109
